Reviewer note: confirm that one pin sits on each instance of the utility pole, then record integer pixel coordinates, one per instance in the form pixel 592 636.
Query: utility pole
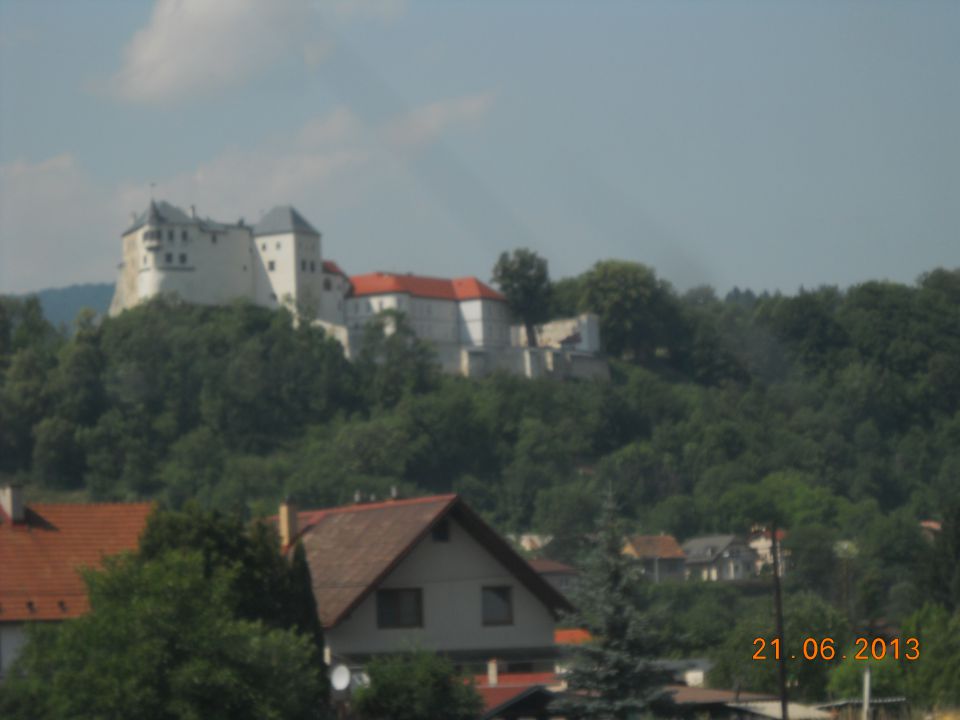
pixel 866 693
pixel 778 608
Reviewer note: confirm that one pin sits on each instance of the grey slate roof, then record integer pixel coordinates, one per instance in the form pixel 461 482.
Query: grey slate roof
pixel 163 213
pixel 283 219
pixel 707 547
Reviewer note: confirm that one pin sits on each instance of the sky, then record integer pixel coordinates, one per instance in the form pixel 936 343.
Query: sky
pixel 763 145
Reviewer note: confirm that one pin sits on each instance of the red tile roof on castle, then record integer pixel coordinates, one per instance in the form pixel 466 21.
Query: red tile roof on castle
pixel 329 266
pixel 40 557
pixel 465 288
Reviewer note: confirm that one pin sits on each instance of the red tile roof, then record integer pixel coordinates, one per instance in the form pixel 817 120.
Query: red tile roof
pixel 543 565
pixel 465 288
pixel 40 557
pixel 656 546
pixel 331 267
pixel 519 679
pixel 572 636
pixel 352 549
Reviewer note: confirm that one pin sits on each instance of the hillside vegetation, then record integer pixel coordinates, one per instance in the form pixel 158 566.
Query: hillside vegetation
pixel 837 412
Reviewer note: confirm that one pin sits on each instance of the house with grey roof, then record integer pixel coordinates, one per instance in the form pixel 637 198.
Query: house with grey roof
pixel 718 557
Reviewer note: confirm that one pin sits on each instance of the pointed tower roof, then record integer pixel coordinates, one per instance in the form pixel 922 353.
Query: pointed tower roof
pixel 284 219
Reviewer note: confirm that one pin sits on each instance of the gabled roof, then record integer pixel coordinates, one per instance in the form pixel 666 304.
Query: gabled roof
pixel 352 549
pixel 40 557
pixel 465 288
pixel 283 219
pixel 707 548
pixel 663 547
pixel 160 212
pixel 163 213
pixel 329 266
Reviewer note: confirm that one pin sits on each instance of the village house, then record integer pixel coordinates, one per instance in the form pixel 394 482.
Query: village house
pixel 761 542
pixel 278 262
pixel 719 557
pixel 424 572
pixel 43 547
pixel 659 556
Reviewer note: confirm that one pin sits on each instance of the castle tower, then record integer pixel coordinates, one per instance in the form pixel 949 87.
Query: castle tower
pixel 290 267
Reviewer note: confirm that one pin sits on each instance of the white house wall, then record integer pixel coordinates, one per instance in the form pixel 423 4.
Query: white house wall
pixel 192 265
pixel 451 575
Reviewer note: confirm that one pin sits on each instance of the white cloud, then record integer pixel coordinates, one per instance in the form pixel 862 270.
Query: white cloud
pixel 382 10
pixel 425 123
pixel 59 226
pixel 196 46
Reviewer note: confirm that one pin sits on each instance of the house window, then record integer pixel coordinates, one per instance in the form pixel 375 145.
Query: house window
pixel 213 239
pixel 313 266
pixel 271 266
pixel 144 259
pixel 168 257
pixel 263 246
pixel 169 235
pixel 326 283
pixel 303 265
pixel 497 605
pixel 278 244
pixel 400 608
pixel 183 235
pixel 183 258
pixel 441 531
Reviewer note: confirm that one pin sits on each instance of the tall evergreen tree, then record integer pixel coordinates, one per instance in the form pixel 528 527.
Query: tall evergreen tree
pixel 614 676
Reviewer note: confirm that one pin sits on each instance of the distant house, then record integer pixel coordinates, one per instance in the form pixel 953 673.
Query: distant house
pixel 42 549
pixel 562 577
pixel 719 557
pixel 424 572
pixel 761 542
pixel 660 556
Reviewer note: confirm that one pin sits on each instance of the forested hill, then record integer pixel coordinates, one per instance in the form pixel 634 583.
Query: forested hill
pixel 838 408
pixel 61 305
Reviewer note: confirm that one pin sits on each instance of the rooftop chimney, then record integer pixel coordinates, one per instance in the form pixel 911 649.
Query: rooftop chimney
pixel 288 522
pixel 492 672
pixel 11 500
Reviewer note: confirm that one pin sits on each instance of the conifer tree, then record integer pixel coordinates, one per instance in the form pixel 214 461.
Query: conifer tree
pixel 614 676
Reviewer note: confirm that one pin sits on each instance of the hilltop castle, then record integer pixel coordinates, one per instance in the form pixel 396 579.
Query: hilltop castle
pixel 279 263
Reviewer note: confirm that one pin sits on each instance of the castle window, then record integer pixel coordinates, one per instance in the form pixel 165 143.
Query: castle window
pixel 168 257
pixel 271 266
pixel 183 258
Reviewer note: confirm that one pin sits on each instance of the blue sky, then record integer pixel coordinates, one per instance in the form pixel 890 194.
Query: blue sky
pixel 768 145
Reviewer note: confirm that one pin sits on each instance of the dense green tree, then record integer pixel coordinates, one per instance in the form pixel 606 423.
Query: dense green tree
pixel 933 680
pixel 416 686
pixel 614 675
pixel 161 642
pixel 524 279
pixel 639 313
pixel 805 616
